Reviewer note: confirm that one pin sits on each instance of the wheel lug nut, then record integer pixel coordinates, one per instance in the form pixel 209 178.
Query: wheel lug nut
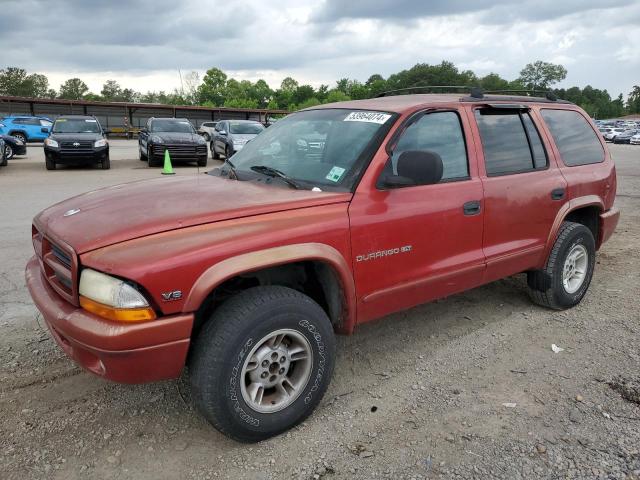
pixel 264 375
pixel 282 360
pixel 265 363
pixel 281 371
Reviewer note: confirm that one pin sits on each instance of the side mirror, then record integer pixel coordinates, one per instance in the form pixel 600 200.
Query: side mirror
pixel 44 129
pixel 416 167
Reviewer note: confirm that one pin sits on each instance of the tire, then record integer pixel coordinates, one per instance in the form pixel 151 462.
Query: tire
pixel 227 152
pixel 4 159
pixel 20 136
pixel 238 330
pixel 8 150
pixel 206 137
pixel 152 161
pixel 143 157
pixel 214 155
pixel 202 161
pixel 548 287
pixel 50 164
pixel 106 163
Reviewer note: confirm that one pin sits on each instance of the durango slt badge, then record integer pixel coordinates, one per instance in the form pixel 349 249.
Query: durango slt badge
pixel 383 253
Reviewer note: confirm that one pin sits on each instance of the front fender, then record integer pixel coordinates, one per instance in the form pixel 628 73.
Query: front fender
pixel 271 257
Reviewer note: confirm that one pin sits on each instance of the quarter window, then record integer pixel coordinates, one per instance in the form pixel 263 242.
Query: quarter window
pixel 577 142
pixel 439 132
pixel 510 142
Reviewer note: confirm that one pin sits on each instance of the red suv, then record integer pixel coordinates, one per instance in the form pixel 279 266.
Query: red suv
pixel 333 217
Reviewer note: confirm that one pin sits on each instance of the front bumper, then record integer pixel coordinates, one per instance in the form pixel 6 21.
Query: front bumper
pixel 126 353
pixel 608 223
pixel 187 153
pixel 19 149
pixel 76 158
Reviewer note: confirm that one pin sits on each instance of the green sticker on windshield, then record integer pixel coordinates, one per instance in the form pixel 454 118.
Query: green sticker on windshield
pixel 335 174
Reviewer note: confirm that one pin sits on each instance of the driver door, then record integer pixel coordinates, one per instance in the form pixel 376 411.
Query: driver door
pixel 414 244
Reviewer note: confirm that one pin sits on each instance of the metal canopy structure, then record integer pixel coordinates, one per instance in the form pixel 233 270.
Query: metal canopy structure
pixel 128 116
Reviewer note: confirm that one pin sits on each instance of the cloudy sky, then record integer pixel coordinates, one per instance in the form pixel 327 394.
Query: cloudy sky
pixel 143 43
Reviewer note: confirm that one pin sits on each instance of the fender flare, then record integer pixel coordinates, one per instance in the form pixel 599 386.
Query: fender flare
pixel 216 274
pixel 566 209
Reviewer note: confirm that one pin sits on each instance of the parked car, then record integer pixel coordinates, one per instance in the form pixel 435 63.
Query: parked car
pixel 206 129
pixel 3 154
pixel 13 146
pixel 76 140
pixel 635 140
pixel 25 128
pixel 625 136
pixel 175 135
pixel 246 274
pixel 231 135
pixel 613 133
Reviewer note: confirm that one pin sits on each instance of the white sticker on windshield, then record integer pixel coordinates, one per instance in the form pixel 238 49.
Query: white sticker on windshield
pixel 371 117
pixel 90 120
pixel 335 174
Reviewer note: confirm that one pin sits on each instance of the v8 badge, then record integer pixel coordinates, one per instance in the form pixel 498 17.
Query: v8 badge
pixel 171 296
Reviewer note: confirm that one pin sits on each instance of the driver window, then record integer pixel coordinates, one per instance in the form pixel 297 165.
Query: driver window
pixel 439 132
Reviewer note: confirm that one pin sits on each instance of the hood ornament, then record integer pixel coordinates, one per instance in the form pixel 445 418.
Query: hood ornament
pixel 73 211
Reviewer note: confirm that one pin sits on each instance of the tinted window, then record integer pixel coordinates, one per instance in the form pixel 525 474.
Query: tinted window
pixel 20 121
pixel 242 128
pixel 505 142
pixel 438 132
pixel 577 142
pixel 76 125
pixel 171 125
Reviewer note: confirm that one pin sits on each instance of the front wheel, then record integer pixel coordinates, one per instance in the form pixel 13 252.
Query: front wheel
pixel 569 269
pixel 106 163
pixel 143 156
pixel 8 151
pixel 262 362
pixel 50 164
pixel 20 136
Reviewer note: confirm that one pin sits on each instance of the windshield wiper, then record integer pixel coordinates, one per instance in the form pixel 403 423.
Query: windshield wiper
pixel 275 173
pixel 232 169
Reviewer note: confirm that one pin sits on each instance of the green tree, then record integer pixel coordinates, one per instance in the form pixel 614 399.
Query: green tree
pixel 213 86
pixel 337 96
pixel 541 75
pixel 16 82
pixel 633 101
pixel 73 89
pixel 111 91
pixel 493 82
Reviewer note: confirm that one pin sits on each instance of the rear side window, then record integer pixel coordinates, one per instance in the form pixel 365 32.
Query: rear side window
pixel 510 142
pixel 577 143
pixel 439 132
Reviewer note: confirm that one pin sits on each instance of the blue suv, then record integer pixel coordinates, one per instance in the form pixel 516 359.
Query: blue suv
pixel 26 128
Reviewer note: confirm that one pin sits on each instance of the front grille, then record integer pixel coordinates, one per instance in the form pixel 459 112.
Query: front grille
pixel 59 265
pixel 84 147
pixel 181 151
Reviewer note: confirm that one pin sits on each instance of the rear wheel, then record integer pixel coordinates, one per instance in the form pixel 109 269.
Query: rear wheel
pixel 262 362
pixel 227 152
pixel 206 137
pixel 20 136
pixel 569 269
pixel 50 164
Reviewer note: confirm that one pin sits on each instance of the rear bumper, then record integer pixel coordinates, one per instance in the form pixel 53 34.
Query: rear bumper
pixel 126 353
pixel 608 223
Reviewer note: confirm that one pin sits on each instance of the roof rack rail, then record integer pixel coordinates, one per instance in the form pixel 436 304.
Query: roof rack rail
pixel 548 94
pixel 476 92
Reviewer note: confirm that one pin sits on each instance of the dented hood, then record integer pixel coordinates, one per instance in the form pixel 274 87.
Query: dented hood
pixel 132 210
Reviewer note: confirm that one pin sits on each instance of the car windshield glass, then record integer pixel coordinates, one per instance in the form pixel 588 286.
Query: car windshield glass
pixel 178 126
pixel 241 128
pixel 76 125
pixel 319 147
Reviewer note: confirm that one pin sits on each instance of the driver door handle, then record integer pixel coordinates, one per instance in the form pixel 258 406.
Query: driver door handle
pixel 471 208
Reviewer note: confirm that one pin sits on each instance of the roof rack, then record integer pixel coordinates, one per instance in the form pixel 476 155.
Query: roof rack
pixel 416 88
pixel 476 93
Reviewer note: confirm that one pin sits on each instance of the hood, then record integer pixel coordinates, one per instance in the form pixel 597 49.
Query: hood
pixel 178 138
pixel 75 136
pixel 124 212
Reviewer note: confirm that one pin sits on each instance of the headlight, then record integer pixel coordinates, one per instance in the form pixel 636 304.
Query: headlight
pixel 156 139
pixel 100 143
pixel 49 142
pixel 112 298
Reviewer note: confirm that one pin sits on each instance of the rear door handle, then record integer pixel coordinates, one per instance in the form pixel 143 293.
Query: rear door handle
pixel 471 208
pixel 557 194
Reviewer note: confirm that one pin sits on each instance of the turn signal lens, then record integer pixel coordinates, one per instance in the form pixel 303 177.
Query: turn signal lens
pixel 117 314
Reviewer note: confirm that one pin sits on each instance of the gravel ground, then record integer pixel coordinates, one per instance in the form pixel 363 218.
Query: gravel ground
pixel 466 387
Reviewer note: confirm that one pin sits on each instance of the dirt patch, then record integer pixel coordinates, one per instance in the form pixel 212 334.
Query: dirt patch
pixel 628 389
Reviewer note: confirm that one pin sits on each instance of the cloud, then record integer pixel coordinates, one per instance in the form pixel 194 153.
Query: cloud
pixel 143 43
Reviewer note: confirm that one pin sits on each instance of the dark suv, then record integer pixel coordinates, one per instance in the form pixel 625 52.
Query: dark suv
pixel 76 140
pixel 174 135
